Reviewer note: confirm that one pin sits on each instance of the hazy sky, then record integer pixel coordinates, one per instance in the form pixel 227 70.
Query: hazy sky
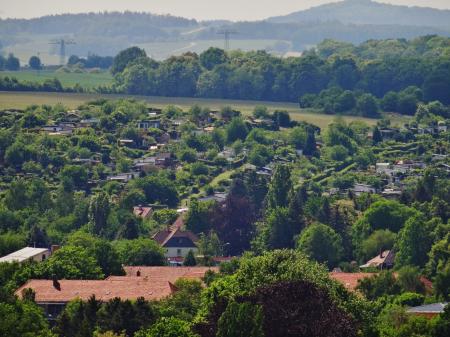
pixel 198 9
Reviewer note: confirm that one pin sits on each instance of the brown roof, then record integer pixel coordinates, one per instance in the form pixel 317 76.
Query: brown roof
pixel 349 280
pixel 175 231
pixel 142 212
pixel 123 287
pixel 386 257
pixel 170 274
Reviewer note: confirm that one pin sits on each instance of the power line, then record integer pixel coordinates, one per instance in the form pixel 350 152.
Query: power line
pixel 227 35
pixel 62 48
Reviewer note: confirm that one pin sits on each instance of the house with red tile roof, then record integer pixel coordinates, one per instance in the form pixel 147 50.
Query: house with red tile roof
pixel 151 283
pixel 53 295
pixel 175 241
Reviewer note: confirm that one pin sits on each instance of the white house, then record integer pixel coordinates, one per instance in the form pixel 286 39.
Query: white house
pixel 176 242
pixel 27 254
pixel 383 168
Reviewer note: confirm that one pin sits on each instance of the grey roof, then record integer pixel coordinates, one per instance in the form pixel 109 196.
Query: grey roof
pixel 429 308
pixel 23 254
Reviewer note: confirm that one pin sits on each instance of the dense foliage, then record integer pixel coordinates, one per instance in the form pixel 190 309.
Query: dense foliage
pixel 282 196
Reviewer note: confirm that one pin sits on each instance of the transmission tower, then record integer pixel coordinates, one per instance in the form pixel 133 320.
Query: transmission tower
pixel 227 34
pixel 62 48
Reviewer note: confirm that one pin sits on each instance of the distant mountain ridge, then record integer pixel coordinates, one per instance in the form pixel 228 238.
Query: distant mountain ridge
pixel 107 33
pixel 107 23
pixel 369 12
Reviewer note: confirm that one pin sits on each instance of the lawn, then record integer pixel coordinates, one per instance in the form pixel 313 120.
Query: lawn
pixel 87 80
pixel 21 100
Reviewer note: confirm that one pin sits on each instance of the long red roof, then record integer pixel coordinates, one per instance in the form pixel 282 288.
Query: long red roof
pixel 125 288
pixel 153 283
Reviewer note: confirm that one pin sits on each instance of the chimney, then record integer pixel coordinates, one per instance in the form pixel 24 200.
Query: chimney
pixel 56 284
pixel 381 253
pixel 54 248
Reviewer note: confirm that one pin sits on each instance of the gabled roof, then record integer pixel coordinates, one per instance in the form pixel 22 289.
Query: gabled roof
pixel 163 237
pixel 104 290
pixel 23 254
pixel 386 257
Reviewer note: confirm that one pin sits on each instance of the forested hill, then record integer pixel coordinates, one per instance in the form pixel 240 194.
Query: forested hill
pixel 370 12
pixel 130 24
pixel 163 35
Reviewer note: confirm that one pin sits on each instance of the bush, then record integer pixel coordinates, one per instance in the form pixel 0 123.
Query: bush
pixel 410 299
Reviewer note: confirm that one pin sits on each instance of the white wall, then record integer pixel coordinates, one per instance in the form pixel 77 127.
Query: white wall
pixel 173 252
pixel 38 257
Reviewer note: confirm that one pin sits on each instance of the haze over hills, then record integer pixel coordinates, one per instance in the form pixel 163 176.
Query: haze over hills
pixel 352 21
pixel 370 12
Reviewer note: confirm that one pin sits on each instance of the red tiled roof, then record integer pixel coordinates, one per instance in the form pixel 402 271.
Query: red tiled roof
pixel 123 287
pixel 349 280
pixel 170 274
pixel 162 237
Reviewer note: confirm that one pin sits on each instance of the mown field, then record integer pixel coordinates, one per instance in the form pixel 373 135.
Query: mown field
pixel 87 80
pixel 21 100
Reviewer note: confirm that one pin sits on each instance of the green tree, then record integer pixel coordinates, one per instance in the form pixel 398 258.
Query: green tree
pixel 23 319
pixel 140 252
pixel 103 251
pixel 281 228
pixel 159 190
pixel 367 105
pixel 168 327
pixel 236 129
pixel 16 195
pixel 125 57
pixel 389 103
pixel 297 136
pixel 283 281
pixel 71 263
pixel 35 63
pixel 212 57
pixel 378 285
pixel 408 278
pixel 379 241
pixel 376 136
pixel 310 143
pixel 185 302
pixel 439 256
pixel 190 260
pixel 414 242
pixel 12 63
pixel 99 209
pixel 241 320
pixel 279 187
pixel 442 282
pixel 198 216
pixel 321 243
pixel 74 176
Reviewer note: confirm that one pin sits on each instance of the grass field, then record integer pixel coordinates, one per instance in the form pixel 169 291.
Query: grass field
pixel 87 80
pixel 21 100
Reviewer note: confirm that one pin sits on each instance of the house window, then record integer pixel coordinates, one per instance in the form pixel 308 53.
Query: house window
pixel 179 252
pixel 43 257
